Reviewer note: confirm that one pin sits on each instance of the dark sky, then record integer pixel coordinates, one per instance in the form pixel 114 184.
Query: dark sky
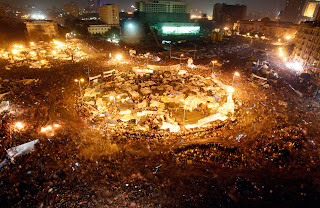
pixel 203 5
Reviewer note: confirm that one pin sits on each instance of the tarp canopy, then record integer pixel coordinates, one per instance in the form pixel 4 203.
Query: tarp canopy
pixel 173 128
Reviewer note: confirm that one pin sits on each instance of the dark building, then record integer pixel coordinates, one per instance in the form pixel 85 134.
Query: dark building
pixel 154 11
pixel 3 12
pixel 93 5
pixel 293 10
pixel 226 15
pixel 71 10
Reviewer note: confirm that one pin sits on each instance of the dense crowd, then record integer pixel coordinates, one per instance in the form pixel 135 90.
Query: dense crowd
pixel 267 154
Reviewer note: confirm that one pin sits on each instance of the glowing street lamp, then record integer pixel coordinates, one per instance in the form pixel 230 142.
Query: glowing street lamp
pixel 18 126
pixel 184 111
pixel 230 90
pixel 288 37
pixel 234 75
pixel 15 52
pixel 148 57
pixel 79 81
pixel 114 100
pixel 181 57
pixel 213 62
pixel 119 57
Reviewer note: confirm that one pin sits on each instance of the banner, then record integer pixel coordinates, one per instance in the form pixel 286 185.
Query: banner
pixel 21 149
pixel 93 78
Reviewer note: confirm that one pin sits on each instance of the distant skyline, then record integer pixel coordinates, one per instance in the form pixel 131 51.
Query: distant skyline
pixel 206 6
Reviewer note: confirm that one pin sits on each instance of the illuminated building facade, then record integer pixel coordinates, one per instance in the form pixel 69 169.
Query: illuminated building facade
pixel 310 11
pixel 176 28
pixel 98 29
pixel 307 45
pixel 169 17
pixel 42 30
pixel 109 14
pixel 270 29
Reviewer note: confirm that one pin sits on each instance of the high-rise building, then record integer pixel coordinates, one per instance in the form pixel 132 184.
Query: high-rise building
pixel 109 14
pixel 3 12
pixel 293 10
pixel 168 17
pixel 310 10
pixel 226 15
pixel 93 5
pixel 163 6
pixel 71 10
pixel 307 43
pixel 154 11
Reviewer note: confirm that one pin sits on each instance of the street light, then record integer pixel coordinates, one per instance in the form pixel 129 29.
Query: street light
pixel 119 57
pixel 234 75
pixel 114 99
pixel 181 57
pixel 147 57
pixel 184 111
pixel 79 81
pixel 18 126
pixel 230 90
pixel 213 62
pixel 195 49
pixel 14 51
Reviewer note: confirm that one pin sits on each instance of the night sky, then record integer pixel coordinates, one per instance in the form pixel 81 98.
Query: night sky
pixel 203 5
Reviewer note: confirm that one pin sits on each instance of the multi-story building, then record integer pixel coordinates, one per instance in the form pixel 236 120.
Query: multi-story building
pixel 93 5
pixel 226 15
pixel 293 10
pixel 270 29
pixel 247 26
pixel 307 45
pixel 310 10
pixel 98 29
pixel 42 30
pixel 155 11
pixel 71 10
pixel 109 14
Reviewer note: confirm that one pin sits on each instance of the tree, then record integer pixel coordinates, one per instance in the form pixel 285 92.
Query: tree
pixel 114 31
